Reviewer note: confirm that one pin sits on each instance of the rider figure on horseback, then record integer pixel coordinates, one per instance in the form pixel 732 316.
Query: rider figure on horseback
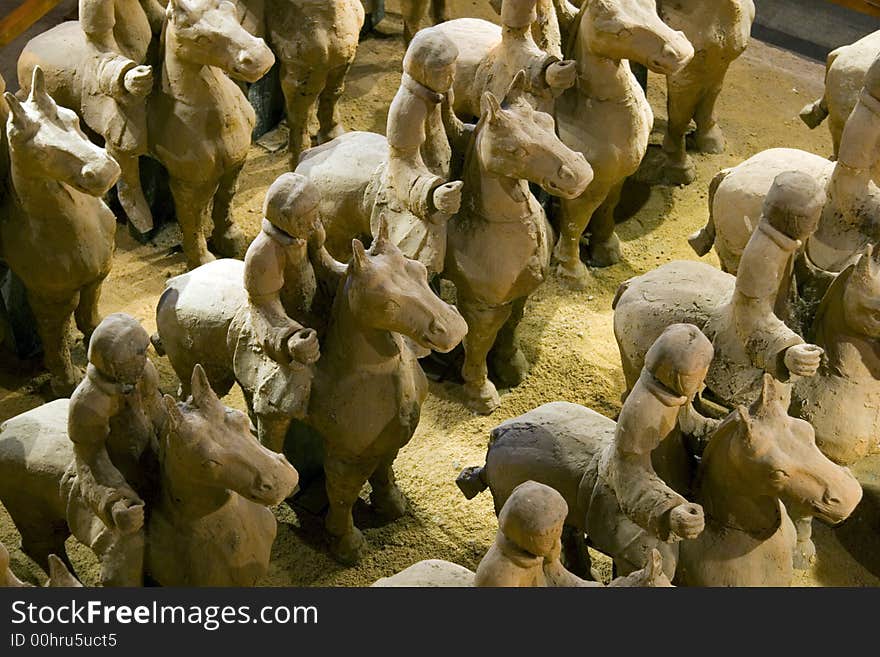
pixel 753 327
pixel 675 367
pixel 281 286
pixel 115 419
pixel 423 133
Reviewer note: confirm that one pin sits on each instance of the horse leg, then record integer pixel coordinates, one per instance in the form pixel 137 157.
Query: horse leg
pixel 575 555
pixel 42 531
pixel 191 202
pixel 603 245
pixel 226 238
pixel 438 11
pixel 130 192
pixel 509 364
pixel 344 479
pixel 682 99
pixel 414 12
pixel 86 314
pixel 574 216
pixel 301 87
pixel 53 326
pixel 483 322
pixel 328 105
pixel 708 138
pixel 386 498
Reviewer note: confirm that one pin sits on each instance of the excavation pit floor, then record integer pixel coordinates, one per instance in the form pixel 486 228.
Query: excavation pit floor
pixel 566 335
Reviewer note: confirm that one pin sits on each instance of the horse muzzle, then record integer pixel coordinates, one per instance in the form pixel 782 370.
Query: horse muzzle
pixel 97 176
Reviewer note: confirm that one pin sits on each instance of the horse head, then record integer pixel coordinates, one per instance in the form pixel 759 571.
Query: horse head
pixel 517 141
pixel 47 142
pixel 208 32
pixel 632 29
pixel 210 446
pixel 861 294
pixel 775 455
pixel 388 291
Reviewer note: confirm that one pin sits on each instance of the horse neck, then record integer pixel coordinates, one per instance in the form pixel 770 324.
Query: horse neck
pixel 847 353
pixel 730 502
pixel 33 190
pixel 602 78
pixel 492 196
pixel 352 344
pixel 180 497
pixel 182 79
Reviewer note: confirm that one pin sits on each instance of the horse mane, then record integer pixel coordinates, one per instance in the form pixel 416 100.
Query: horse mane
pixel 832 296
pixel 730 426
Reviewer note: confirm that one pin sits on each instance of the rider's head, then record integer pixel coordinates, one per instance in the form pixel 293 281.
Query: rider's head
pixel 794 204
pixel 118 348
pixel 680 359
pixel 430 59
pixel 532 518
pixel 518 13
pixel 292 205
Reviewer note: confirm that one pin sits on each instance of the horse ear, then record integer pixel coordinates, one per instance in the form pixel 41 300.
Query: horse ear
pixel 172 410
pixel 59 575
pixel 358 255
pixel 382 240
pixel 39 96
pixel 745 419
pixel 489 106
pixel 203 394
pixel 654 569
pixel 19 117
pixel 517 88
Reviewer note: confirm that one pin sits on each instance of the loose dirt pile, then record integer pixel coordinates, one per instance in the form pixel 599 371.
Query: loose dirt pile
pixel 566 335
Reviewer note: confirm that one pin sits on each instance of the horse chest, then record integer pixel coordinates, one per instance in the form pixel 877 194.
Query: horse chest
pixel 730 557
pixel 59 239
pixel 229 547
pixel 500 261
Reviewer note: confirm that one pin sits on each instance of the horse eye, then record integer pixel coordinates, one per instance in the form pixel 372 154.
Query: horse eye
pixel 778 475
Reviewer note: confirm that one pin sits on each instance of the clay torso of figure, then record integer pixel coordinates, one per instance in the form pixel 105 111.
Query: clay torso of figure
pixel 120 26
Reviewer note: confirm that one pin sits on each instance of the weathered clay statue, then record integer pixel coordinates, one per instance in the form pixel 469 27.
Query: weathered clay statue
pixel 744 317
pixel 205 522
pixel 845 71
pixel 526 553
pixel 606 117
pixel 849 219
pixel 97 67
pixel 497 247
pixel 499 244
pixel 57 234
pixel 200 122
pixel 755 461
pixel 491 56
pixel 545 29
pixel 368 387
pixel 59 575
pixel 719 31
pixel 315 41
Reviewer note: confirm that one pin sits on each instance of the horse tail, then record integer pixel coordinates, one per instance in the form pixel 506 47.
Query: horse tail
pixel 812 114
pixel 703 240
pixel 623 287
pixel 156 341
pixel 472 481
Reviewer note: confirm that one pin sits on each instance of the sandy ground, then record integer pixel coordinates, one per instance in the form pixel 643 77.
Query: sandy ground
pixel 566 335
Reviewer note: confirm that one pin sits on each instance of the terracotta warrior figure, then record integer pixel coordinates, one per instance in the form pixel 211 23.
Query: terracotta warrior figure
pixel 648 437
pixel 417 198
pixel 491 57
pixel 115 417
pixel 752 327
pixel 280 284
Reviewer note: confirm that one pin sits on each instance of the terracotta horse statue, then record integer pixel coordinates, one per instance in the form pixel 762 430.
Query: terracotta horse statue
pixel 498 246
pixel 757 463
pixel 56 234
pixel 368 387
pixel 842 400
pixel 209 524
pixel 606 117
pixel 200 122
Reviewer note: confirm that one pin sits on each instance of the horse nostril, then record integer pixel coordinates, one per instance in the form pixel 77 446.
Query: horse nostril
pixel 668 51
pixel 436 327
pixel 565 173
pixel 830 499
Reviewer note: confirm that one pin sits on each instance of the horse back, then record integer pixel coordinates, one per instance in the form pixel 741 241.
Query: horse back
pixel 58 52
pixel 34 454
pixel 553 444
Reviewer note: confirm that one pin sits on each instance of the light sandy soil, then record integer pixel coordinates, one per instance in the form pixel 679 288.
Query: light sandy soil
pixel 566 335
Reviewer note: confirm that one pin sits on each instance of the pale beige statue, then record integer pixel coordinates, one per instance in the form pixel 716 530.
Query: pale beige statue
pixel 527 551
pixel 491 56
pixel 98 66
pixel 59 575
pixel 57 235
pixel 719 31
pixel 845 71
